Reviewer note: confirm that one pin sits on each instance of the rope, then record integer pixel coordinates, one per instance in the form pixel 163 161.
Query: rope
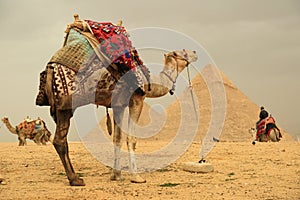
pixel 1 125
pixel 108 122
pixel 191 90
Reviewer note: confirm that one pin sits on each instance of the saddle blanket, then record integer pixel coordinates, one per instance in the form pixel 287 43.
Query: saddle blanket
pixel 28 127
pixel 115 43
pixel 265 126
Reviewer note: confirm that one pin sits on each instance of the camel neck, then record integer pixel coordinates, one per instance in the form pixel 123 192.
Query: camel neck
pixel 10 127
pixel 162 84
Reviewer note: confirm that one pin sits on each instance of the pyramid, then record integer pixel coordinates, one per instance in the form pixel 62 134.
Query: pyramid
pixel 241 114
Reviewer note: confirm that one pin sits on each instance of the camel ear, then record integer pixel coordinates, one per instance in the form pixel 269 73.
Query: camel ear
pixel 165 55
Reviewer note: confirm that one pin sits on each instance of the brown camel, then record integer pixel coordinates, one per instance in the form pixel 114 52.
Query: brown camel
pixel 273 136
pixel 101 87
pixel 175 62
pixel 35 130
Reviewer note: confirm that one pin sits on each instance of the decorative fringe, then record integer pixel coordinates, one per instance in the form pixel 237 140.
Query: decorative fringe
pixel 108 122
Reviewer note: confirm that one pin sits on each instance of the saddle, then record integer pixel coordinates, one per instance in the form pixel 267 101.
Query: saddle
pixel 28 127
pixel 86 41
pixel 264 126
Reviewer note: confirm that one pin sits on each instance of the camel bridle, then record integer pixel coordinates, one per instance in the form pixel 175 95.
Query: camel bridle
pixel 176 58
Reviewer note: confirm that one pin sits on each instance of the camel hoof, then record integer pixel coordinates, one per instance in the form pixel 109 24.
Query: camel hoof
pixel 113 177
pixel 137 179
pixel 2 182
pixel 116 176
pixel 77 182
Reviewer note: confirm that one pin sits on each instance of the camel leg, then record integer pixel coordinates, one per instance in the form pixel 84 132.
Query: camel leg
pixel 118 114
pixel 37 137
pixel 61 145
pixel 22 139
pixel 135 109
pixel 274 135
pixel 43 139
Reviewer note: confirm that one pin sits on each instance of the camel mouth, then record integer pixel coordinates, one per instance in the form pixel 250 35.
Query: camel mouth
pixel 191 55
pixel 4 119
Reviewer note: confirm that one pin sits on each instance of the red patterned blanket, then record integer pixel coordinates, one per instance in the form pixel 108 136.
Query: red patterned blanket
pixel 27 127
pixel 115 43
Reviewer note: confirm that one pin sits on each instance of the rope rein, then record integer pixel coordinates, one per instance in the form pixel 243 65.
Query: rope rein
pixel 1 125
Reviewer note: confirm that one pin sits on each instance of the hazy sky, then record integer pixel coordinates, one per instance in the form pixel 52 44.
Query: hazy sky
pixel 255 43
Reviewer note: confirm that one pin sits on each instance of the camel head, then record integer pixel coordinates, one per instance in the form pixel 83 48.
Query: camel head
pixel 180 59
pixel 4 119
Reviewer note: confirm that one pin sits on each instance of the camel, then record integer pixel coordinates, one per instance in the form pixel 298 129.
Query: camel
pixel 35 130
pixel 175 62
pixel 273 136
pixel 111 90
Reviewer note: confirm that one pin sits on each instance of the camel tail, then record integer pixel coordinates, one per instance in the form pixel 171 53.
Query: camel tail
pixel 108 122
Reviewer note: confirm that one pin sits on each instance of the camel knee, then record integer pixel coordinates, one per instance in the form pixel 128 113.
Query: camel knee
pixel 59 141
pixel 131 143
pixel 60 137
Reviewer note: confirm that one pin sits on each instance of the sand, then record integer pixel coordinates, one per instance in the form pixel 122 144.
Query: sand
pixel 241 171
pixel 268 171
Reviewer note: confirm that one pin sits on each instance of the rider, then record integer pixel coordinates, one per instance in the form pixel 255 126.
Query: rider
pixel 261 123
pixel 263 113
pixel 265 122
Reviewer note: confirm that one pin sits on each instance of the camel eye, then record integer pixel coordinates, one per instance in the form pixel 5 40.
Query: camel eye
pixel 174 53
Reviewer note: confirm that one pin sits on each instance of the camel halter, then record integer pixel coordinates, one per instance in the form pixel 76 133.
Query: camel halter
pixel 177 73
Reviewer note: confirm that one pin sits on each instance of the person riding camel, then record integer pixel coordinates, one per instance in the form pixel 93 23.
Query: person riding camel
pixel 265 123
pixel 263 113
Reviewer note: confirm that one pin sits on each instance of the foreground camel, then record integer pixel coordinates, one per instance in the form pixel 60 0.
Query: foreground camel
pixel 28 130
pixel 104 86
pixel 175 62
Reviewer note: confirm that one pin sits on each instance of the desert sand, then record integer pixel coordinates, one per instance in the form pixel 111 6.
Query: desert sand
pixel 241 170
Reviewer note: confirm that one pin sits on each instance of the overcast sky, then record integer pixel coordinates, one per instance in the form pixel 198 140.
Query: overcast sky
pixel 255 43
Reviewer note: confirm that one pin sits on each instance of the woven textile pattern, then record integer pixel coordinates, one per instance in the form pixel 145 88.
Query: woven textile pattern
pixel 115 43
pixel 76 53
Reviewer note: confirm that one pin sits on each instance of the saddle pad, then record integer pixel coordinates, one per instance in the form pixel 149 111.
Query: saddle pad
pixel 27 128
pixel 115 43
pixel 76 54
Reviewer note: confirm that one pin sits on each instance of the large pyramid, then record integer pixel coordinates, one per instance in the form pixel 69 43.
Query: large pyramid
pixel 241 115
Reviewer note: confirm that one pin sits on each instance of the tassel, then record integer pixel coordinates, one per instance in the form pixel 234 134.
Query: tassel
pixel 172 90
pixel 108 122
